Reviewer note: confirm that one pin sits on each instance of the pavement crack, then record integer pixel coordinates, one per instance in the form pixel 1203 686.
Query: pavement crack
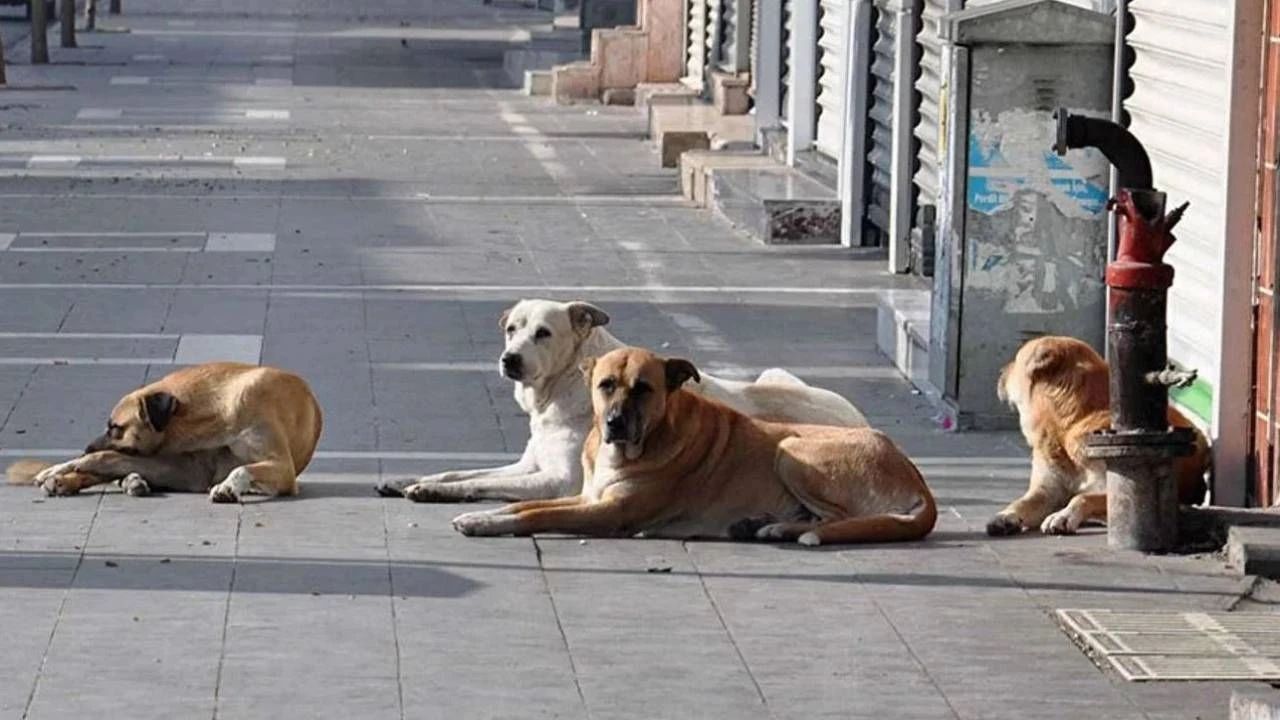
pixel 395 622
pixel 564 637
pixel 702 582
pixel 62 604
pixel 226 613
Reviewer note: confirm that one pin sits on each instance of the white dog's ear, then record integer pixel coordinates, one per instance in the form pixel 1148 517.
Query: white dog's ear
pixel 679 371
pixel 502 319
pixel 585 316
pixel 585 367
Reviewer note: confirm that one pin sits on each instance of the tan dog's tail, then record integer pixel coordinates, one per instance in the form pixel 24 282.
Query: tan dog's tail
pixel 890 527
pixel 23 472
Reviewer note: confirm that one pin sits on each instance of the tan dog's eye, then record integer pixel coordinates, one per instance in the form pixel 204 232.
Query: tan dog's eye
pixel 607 386
pixel 641 388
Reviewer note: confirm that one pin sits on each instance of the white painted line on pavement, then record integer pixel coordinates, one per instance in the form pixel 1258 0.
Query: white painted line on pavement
pixel 273 163
pixel 505 289
pixel 241 242
pixel 99 113
pixel 129 80
pixel 111 233
pixel 193 349
pixel 148 57
pixel 491 457
pixel 273 82
pixel 506 35
pixel 639 200
pixel 53 161
pixel 267 114
pixel 84 361
pixel 181 23
pixel 735 372
pixel 6 239
pixel 88 336
pixel 277 58
pixel 521 137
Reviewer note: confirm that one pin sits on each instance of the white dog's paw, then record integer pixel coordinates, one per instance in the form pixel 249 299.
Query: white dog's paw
pixel 482 523
pixel 772 532
pixel 135 485
pixel 237 485
pixel 1063 522
pixel 809 539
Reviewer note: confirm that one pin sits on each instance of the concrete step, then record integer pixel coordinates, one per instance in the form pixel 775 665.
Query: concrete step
pixel 697 166
pixel 518 64
pixel 902 333
pixel 776 205
pixel 1255 549
pixel 664 94
pixel 1256 703
pixel 679 128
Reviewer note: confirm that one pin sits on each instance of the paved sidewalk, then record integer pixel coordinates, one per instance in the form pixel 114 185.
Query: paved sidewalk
pixel 349 190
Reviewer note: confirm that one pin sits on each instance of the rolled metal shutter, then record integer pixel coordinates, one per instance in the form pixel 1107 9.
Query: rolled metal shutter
pixel 713 38
pixel 880 147
pixel 753 47
pixel 736 40
pixel 788 23
pixel 831 86
pixel 928 86
pixel 1178 110
pixel 696 42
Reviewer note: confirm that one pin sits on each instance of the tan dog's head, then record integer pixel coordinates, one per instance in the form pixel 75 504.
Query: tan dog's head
pixel 629 391
pixel 137 424
pixel 543 336
pixel 1053 375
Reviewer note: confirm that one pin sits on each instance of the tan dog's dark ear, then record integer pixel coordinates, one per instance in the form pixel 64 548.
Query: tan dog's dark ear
pixel 679 371
pixel 585 367
pixel 502 319
pixel 585 316
pixel 158 409
pixel 1044 360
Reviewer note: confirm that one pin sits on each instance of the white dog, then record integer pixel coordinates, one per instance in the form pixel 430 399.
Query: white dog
pixel 546 342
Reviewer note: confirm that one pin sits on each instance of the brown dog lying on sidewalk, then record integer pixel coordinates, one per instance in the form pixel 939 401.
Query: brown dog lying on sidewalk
pixel 665 462
pixel 224 428
pixel 1060 387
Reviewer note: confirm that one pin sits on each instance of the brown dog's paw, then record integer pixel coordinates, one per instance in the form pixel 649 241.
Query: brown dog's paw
pixel 392 488
pixel 62 485
pixel 1004 525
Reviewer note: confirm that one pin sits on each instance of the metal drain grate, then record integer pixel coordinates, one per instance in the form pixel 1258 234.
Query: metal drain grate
pixel 1145 646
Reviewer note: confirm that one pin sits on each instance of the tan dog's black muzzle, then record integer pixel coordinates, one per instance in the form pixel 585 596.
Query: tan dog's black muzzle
pixel 622 423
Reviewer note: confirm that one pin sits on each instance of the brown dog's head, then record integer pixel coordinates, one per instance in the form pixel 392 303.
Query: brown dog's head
pixel 137 424
pixel 629 391
pixel 1053 377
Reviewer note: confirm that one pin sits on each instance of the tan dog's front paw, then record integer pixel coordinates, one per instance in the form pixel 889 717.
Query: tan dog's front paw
pixel 237 484
pixel 436 492
pixel 1004 524
pixel 61 485
pixel 1063 522
pixel 52 472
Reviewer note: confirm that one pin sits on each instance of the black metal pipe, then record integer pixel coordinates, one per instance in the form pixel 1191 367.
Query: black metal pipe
pixel 1116 143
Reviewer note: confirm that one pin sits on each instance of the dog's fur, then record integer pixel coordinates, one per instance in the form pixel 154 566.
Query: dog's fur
pixel 224 428
pixel 1060 388
pixel 551 339
pixel 666 462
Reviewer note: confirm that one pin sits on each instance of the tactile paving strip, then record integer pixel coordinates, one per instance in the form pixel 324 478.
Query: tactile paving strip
pixel 1144 646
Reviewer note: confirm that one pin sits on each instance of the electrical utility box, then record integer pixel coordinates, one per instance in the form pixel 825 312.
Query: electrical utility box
pixel 1021 243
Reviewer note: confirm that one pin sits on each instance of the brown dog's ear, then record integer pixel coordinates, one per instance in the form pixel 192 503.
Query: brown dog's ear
pixel 585 316
pixel 502 319
pixel 1044 360
pixel 159 409
pixel 680 371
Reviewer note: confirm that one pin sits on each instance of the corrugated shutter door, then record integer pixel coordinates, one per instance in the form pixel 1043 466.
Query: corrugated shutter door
pixel 753 46
pixel 928 85
pixel 696 42
pixel 713 37
pixel 1179 110
pixel 880 148
pixel 831 50
pixel 788 24
pixel 730 27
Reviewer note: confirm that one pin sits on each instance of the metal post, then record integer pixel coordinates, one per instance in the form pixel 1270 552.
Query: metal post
pixel 852 176
pixel 1139 448
pixel 39 32
pixel 3 81
pixel 90 15
pixel 803 89
pixel 67 20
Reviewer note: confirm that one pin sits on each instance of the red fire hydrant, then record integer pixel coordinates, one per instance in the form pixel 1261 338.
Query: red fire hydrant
pixel 1139 449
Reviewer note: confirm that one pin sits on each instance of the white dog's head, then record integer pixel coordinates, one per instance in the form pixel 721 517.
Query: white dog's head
pixel 543 336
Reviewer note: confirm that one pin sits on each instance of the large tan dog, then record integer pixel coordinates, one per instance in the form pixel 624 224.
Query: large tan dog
pixel 666 462
pixel 545 342
pixel 225 428
pixel 1060 387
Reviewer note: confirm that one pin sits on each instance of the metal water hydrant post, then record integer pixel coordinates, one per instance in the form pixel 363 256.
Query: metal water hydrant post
pixel 1139 449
